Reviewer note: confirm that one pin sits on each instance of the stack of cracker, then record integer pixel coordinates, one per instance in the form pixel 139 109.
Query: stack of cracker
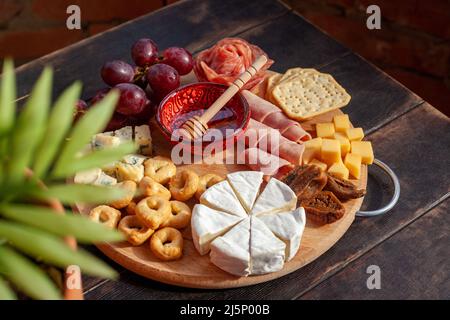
pixel 305 93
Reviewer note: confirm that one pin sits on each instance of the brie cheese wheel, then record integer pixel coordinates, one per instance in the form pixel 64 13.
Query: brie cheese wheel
pixel 276 197
pixel 222 197
pixel 88 176
pixel 207 224
pixel 267 252
pixel 246 185
pixel 289 227
pixel 231 252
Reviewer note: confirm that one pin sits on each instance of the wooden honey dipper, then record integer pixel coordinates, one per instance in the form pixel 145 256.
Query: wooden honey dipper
pixel 197 126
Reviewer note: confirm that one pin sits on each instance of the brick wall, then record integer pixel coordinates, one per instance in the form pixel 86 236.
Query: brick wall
pixel 413 44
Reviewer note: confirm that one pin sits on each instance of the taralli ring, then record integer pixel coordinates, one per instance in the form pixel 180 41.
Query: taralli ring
pixel 183 185
pixel 153 211
pixel 105 215
pixel 149 187
pixel 205 182
pixel 167 244
pixel 160 169
pixel 135 231
pixel 181 215
pixel 130 190
pixel 131 208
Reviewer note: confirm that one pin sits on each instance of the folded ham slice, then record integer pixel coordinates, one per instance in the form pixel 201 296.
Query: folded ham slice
pixel 270 115
pixel 269 164
pixel 270 140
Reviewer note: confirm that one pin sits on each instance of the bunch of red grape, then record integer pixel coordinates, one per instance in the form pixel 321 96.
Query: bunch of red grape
pixel 143 85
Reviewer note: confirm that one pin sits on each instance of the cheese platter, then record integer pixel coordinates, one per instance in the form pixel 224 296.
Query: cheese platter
pixel 222 220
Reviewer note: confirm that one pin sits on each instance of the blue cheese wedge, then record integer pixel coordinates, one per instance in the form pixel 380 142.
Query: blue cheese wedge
pixel 246 185
pixel 88 176
pixel 143 139
pixel 207 224
pixel 104 140
pixel 125 171
pixel 288 227
pixel 105 180
pixel 222 197
pixel 276 197
pixel 267 252
pixel 230 252
pixel 134 159
pixel 124 134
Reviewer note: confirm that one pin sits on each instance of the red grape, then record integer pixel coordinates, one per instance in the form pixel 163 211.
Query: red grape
pixel 99 95
pixel 80 109
pixel 117 71
pixel 132 99
pixel 162 78
pixel 144 52
pixel 118 121
pixel 179 58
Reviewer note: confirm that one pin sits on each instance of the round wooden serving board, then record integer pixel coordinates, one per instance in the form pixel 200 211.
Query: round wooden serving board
pixel 195 271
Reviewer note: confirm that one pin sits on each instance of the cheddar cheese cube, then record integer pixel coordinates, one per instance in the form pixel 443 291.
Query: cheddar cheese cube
pixel 345 143
pixel 325 130
pixel 355 134
pixel 364 149
pixel 341 123
pixel 321 165
pixel 331 151
pixel 353 163
pixel 312 149
pixel 340 170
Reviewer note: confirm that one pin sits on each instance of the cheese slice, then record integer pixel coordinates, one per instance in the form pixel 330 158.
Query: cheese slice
pixel 276 197
pixel 222 197
pixel 246 185
pixel 289 227
pixel 231 252
pixel 267 252
pixel 207 224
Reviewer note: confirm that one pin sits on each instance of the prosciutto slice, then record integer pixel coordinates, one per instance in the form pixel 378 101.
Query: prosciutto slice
pixel 224 62
pixel 269 164
pixel 270 115
pixel 270 140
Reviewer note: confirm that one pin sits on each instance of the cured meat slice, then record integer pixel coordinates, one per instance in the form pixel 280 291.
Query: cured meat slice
pixel 227 59
pixel 270 115
pixel 259 160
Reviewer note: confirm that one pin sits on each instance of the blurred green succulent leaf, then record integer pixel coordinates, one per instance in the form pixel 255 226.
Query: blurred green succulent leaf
pixel 94 121
pixel 29 127
pixel 58 126
pixel 83 229
pixel 28 277
pixel 51 249
pixel 5 291
pixel 7 97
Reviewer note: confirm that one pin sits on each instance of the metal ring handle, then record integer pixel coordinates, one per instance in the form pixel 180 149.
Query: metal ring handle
pixel 395 197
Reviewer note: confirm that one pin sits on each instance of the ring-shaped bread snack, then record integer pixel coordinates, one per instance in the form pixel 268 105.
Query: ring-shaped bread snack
pixel 135 231
pixel 181 215
pixel 153 211
pixel 149 187
pixel 131 208
pixel 167 244
pixel 160 169
pixel 206 181
pixel 183 185
pixel 130 189
pixel 105 215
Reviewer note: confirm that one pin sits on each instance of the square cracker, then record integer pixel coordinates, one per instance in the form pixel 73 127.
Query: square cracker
pixel 308 94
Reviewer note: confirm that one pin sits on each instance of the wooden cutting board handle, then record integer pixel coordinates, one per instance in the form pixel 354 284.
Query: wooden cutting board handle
pixel 233 89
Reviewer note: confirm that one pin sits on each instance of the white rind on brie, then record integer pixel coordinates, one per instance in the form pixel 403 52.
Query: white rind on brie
pixel 289 227
pixel 276 197
pixel 267 252
pixel 207 224
pixel 246 185
pixel 222 197
pixel 231 252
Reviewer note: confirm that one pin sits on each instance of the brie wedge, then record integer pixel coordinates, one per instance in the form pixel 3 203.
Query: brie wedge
pixel 207 224
pixel 231 252
pixel 276 197
pixel 267 252
pixel 246 185
pixel 222 197
pixel 289 227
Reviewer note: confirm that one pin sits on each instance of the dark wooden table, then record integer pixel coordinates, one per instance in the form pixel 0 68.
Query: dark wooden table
pixel 410 244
